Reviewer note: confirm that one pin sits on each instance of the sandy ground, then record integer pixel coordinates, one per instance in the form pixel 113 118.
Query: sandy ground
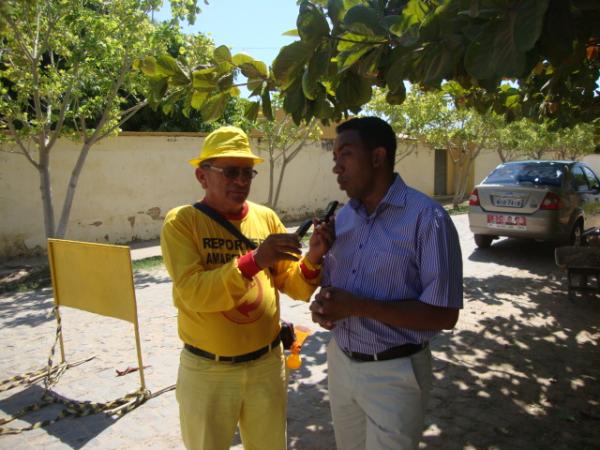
pixel 520 371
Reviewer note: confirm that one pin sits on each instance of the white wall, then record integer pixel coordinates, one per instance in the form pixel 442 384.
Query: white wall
pixel 486 161
pixel 129 182
pixel 593 161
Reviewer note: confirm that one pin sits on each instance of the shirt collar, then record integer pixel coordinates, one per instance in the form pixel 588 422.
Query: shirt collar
pixel 395 196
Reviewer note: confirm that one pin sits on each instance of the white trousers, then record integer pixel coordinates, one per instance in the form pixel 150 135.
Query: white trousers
pixel 380 404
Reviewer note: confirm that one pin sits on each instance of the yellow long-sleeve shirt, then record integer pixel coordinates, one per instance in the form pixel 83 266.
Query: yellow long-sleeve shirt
pixel 220 310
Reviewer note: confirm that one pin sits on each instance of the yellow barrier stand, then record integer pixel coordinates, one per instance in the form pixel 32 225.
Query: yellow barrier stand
pixel 97 278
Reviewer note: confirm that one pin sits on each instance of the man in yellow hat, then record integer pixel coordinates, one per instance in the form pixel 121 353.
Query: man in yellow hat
pixel 232 367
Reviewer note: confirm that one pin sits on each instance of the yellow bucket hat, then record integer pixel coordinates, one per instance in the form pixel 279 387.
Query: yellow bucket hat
pixel 226 142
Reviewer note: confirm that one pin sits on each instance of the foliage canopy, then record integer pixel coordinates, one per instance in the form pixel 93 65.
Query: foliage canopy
pixel 345 48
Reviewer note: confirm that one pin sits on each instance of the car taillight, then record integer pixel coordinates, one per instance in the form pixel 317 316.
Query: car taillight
pixel 551 201
pixel 474 198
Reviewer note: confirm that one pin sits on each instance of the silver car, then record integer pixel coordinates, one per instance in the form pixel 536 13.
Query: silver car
pixel 546 200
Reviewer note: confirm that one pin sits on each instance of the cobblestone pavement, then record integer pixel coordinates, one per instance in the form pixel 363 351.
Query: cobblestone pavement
pixel 520 371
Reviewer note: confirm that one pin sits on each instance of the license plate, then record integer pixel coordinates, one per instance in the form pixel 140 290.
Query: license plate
pixel 507 222
pixel 513 202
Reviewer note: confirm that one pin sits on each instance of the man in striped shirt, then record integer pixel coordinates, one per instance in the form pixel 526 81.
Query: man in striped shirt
pixel 392 281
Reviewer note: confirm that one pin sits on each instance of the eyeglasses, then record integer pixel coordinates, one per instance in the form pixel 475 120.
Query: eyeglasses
pixel 233 173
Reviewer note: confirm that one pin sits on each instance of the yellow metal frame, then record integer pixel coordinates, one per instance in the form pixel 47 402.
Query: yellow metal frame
pixel 97 278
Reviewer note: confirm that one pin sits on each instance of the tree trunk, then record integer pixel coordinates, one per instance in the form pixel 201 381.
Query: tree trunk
pixel 461 180
pixel 501 155
pixel 72 186
pixel 46 191
pixel 271 177
pixel 284 164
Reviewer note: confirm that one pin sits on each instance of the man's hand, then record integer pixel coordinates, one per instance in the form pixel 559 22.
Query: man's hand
pixel 332 304
pixel 277 247
pixel 321 240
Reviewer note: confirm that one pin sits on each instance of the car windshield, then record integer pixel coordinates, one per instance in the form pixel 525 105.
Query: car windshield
pixel 548 174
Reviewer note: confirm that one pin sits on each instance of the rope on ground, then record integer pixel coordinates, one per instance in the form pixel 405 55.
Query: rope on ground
pixel 72 408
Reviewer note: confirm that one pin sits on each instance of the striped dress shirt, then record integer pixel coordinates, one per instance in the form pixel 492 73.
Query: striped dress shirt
pixel 407 249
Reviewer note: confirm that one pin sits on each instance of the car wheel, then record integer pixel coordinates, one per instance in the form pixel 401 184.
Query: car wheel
pixel 576 234
pixel 483 240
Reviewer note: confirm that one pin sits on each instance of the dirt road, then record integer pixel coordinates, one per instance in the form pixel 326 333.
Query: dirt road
pixel 520 371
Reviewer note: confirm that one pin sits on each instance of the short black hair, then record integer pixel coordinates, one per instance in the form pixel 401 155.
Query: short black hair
pixel 374 132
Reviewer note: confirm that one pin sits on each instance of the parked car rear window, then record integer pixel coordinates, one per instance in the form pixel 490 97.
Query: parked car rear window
pixel 548 174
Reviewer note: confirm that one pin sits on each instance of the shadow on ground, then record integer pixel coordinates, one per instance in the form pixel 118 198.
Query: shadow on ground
pixel 73 432
pixel 531 256
pixel 523 380
pixel 30 308
pixel 310 427
pixel 522 372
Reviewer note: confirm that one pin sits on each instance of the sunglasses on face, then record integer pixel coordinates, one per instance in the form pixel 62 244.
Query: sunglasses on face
pixel 233 173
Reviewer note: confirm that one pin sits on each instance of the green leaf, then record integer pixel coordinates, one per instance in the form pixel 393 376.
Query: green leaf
pixel 335 10
pixel 224 67
pixel 347 4
pixel 311 23
pixel 198 99
pixel 214 107
pixel 289 63
pixel 148 66
pixel 528 22
pixel 414 13
pixel 317 66
pixel 293 33
pixel 251 111
pixel 323 108
pixel 353 91
pixel 512 101
pixel 254 69
pixel 396 74
pixel 396 97
pixel 369 65
pixel 169 102
pixel 241 58
pixel 204 79
pixel 294 102
pixel 349 41
pixel 494 54
pixel 406 26
pixel 361 19
pixel 225 82
pixel 158 88
pixel 395 24
pixel 266 105
pixel 348 58
pixel 167 65
pixel 309 86
pixel 222 54
pixel 255 84
pixel 433 63
pixel 558 33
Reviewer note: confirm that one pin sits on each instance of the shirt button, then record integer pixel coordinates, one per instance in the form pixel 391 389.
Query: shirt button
pixel 353 271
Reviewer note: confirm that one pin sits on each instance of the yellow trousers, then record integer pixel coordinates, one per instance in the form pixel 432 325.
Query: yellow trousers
pixel 214 397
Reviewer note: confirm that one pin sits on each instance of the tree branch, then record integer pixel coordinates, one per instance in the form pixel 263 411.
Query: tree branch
pixel 63 107
pixel 111 97
pixel 126 115
pixel 19 36
pixel 24 151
